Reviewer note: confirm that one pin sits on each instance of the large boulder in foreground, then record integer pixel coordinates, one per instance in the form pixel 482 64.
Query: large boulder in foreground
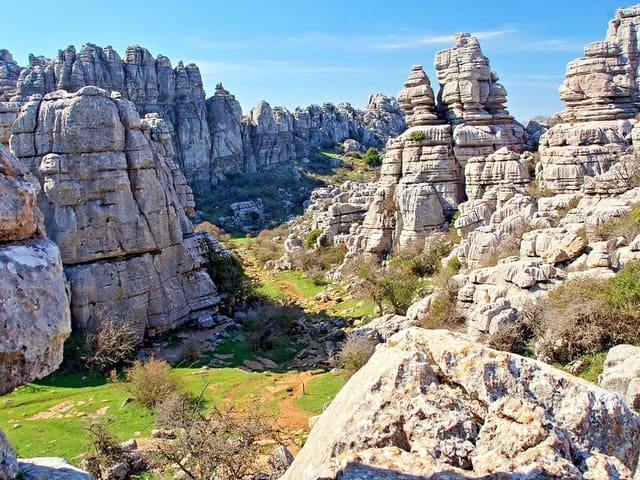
pixel 431 404
pixel 34 310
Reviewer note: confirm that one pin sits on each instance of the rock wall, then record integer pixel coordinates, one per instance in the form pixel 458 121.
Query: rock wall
pixel 209 137
pixel 433 404
pixel 151 83
pixel 114 203
pixel 601 93
pixel 34 307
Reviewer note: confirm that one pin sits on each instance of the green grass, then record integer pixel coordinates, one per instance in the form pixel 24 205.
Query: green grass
pixel 65 436
pixel 595 367
pixel 319 391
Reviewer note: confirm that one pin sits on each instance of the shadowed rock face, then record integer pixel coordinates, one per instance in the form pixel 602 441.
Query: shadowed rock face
pixel 433 404
pixel 600 92
pixel 114 202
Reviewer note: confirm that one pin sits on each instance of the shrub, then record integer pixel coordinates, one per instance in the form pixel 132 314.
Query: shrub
pixel 626 225
pixel 151 382
pixel 587 316
pixel 354 353
pixel 311 238
pixel 216 444
pixel 372 157
pixel 227 272
pixel 109 346
pixel 417 136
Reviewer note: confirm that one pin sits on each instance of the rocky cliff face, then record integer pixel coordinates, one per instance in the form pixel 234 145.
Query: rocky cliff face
pixel 600 91
pixel 209 137
pixel 433 404
pixel 34 307
pixel 151 83
pixel 114 202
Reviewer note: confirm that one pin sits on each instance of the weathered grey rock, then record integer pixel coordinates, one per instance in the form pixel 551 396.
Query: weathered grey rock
pixel 224 115
pixel 621 373
pixel 8 114
pixel 417 99
pixel 34 310
pixel 501 168
pixel 8 459
pixel 114 203
pixel 433 404
pixel 9 73
pixel 151 83
pixel 50 468
pixel 382 119
pixel 601 96
pixel 382 328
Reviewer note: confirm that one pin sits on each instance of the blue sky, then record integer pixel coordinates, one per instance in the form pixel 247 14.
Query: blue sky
pixel 297 53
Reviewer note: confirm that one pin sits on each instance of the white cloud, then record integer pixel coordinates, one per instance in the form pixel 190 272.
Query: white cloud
pixel 402 42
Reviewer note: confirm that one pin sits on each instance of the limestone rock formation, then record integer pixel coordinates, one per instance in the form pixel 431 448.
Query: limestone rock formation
pixel 224 116
pixel 34 309
pixel 382 119
pixel 114 203
pixel 433 404
pixel 8 459
pixel 601 95
pixel 468 137
pixel 9 73
pixel 151 83
pixel 622 373
pixel 472 101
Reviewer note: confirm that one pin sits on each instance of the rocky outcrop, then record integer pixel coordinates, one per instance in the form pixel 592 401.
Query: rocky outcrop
pixel 224 116
pixel 621 373
pixel 151 83
pixel 472 101
pixel 601 95
pixel 382 119
pixel 9 73
pixel 466 138
pixel 34 309
pixel 431 403
pixel 114 203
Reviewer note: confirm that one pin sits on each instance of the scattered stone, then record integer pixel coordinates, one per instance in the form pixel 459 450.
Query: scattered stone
pixel 50 468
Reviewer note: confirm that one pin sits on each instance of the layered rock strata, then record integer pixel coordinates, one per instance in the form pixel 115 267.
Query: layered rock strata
pixel 467 138
pixel 114 203
pixel 433 404
pixel 210 137
pixel 151 83
pixel 600 92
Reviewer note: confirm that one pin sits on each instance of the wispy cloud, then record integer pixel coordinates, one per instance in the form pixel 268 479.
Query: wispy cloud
pixel 415 41
pixel 550 45
pixel 266 68
pixel 534 80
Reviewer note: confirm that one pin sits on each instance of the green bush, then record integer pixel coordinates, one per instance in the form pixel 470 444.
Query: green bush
pixel 417 136
pixel 227 272
pixel 311 238
pixel 151 382
pixel 355 352
pixel 372 157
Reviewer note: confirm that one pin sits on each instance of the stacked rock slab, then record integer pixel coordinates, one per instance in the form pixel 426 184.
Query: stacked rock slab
pixel 9 73
pixel 472 101
pixel 601 95
pixel 114 203
pixel 224 116
pixel 433 404
pixel 151 83
pixel 34 308
pixel 419 179
pixel 423 173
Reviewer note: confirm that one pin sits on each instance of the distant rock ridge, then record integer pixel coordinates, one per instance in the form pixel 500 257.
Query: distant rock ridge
pixel 210 137
pixel 115 204
pixel 601 92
